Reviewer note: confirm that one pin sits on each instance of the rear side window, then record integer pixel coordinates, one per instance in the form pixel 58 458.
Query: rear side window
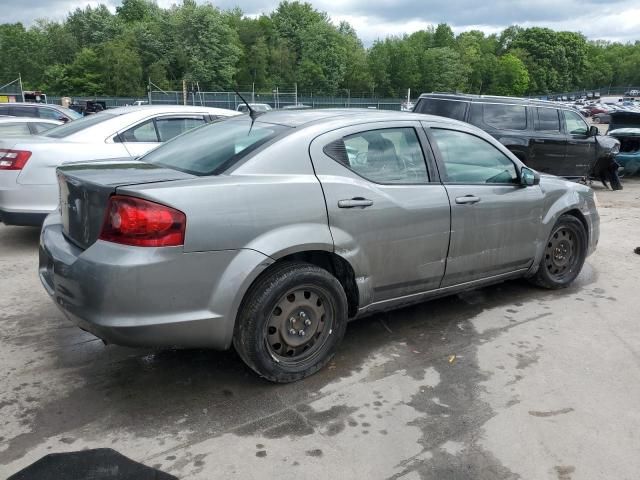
pixel 548 119
pixel 507 117
pixel 443 108
pixel 169 128
pixel 387 156
pixel 144 132
pixel 39 127
pixel 215 147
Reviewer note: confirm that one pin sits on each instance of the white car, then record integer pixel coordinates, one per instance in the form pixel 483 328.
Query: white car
pixel 11 126
pixel 28 183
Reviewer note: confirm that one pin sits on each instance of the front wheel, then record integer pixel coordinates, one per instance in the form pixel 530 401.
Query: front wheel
pixel 291 322
pixel 564 254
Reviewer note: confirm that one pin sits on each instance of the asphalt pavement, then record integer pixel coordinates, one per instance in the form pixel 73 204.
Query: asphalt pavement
pixel 504 382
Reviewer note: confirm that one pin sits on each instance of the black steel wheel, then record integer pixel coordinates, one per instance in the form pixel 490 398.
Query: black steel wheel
pixel 564 254
pixel 299 324
pixel 291 321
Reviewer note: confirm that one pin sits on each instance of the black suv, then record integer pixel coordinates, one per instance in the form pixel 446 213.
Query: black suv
pixel 38 110
pixel 547 137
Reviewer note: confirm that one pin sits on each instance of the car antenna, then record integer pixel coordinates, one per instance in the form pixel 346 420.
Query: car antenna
pixel 252 113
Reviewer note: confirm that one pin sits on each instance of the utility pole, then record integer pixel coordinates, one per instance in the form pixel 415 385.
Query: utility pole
pixel 21 89
pixel 184 91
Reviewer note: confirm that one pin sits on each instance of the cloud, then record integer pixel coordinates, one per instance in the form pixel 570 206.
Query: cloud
pixel 615 20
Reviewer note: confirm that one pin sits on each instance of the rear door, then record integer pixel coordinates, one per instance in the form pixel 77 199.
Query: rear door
pixel 548 141
pixel 388 212
pixel 581 148
pixel 494 220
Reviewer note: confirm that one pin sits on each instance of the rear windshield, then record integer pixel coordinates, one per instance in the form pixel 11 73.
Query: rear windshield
pixel 213 148
pixel 76 126
pixel 443 108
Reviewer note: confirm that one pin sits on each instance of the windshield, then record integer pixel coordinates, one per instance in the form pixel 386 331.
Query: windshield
pixel 76 126
pixel 213 148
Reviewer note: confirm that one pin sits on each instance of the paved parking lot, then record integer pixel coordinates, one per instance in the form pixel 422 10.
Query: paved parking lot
pixel 504 382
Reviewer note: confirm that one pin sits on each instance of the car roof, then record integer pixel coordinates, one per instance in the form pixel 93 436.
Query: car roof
pixel 300 118
pixel 468 97
pixel 31 104
pixel 169 109
pixel 9 119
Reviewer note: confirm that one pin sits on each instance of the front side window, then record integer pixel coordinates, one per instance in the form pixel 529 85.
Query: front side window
pixel 388 156
pixel 443 108
pixel 171 127
pixel 548 120
pixel 574 123
pixel 470 159
pixel 144 132
pixel 508 117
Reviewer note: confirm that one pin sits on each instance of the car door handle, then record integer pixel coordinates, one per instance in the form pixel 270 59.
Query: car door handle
pixel 467 199
pixel 355 202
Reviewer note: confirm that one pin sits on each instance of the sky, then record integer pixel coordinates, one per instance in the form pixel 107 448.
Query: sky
pixel 614 20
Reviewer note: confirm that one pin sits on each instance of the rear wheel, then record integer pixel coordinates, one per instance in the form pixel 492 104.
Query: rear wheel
pixel 291 322
pixel 564 254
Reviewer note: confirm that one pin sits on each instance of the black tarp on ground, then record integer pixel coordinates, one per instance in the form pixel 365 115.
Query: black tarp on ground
pixel 98 464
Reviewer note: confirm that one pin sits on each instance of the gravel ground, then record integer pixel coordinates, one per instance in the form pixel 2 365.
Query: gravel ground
pixel 503 382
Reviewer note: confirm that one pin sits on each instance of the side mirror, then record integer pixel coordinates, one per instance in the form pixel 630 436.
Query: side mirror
pixel 593 131
pixel 63 119
pixel 528 177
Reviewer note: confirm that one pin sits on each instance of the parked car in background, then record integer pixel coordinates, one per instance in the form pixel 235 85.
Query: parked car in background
pixel 256 107
pixel 602 118
pixel 546 136
pixel 28 187
pixel 39 110
pixel 272 234
pixel 625 127
pixel 25 126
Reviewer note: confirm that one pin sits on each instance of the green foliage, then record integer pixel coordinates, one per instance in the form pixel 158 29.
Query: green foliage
pixel 511 76
pixel 94 51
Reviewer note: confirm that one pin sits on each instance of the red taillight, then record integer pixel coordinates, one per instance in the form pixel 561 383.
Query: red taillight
pixel 138 222
pixel 13 159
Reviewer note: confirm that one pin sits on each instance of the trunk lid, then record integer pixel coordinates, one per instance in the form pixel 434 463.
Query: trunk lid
pixel 85 190
pixel 624 120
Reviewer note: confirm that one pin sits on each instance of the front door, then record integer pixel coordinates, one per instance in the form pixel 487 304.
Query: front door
pixel 548 142
pixel 388 213
pixel 494 220
pixel 581 147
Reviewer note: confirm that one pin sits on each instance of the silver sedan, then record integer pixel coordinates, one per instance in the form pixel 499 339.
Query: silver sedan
pixel 271 233
pixel 28 189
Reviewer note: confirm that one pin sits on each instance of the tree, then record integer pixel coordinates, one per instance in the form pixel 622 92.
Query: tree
pixel 122 69
pixel 84 75
pixel 511 77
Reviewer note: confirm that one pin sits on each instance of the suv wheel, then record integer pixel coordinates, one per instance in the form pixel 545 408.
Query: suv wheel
pixel 564 254
pixel 291 322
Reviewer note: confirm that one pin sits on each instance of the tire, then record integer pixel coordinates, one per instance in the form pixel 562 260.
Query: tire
pixel 596 119
pixel 564 254
pixel 290 298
